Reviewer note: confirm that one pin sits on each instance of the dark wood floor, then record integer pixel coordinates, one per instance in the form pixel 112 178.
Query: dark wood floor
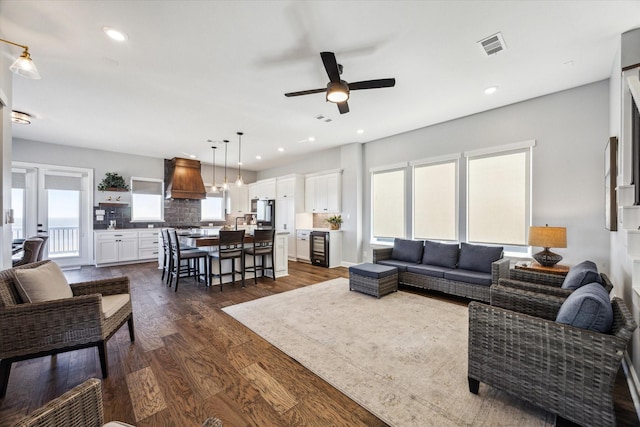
pixel 191 361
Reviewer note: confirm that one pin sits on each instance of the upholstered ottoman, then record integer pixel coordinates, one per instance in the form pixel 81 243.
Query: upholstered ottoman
pixel 373 279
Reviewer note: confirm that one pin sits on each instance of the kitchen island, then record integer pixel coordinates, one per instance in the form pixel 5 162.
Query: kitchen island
pixel 210 242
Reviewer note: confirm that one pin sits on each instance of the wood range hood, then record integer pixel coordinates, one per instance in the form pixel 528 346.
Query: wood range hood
pixel 183 179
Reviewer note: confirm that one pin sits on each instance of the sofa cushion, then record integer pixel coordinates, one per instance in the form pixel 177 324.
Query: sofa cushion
pixel 400 265
pixel 376 271
pixel 581 274
pixel 478 257
pixel 407 250
pixel 469 276
pixel 428 270
pixel 588 307
pixel 442 254
pixel 43 283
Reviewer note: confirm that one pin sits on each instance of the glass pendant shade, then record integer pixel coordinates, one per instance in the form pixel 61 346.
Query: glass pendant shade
pixel 214 186
pixel 225 184
pixel 24 66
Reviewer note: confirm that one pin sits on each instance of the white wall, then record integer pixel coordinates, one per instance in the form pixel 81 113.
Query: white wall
pixel 5 153
pixel 570 129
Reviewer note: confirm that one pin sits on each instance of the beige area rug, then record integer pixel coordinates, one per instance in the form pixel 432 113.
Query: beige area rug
pixel 403 357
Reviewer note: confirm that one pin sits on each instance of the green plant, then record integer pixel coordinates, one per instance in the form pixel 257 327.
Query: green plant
pixel 335 220
pixel 112 180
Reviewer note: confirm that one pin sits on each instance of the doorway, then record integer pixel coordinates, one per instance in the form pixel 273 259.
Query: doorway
pixel 56 201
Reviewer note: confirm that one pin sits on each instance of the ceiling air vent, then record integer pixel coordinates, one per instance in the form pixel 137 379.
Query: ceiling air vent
pixel 493 44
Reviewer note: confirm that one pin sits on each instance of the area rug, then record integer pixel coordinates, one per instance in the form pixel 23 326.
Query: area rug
pixel 403 357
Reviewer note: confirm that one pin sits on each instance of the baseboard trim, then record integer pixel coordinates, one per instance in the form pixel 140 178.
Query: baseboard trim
pixel 632 381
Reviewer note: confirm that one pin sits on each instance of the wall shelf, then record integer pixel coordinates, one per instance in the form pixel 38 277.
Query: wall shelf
pixel 112 204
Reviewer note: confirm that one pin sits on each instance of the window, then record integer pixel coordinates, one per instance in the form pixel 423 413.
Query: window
pixel 212 208
pixel 388 204
pixel 147 203
pixel 498 196
pixel 435 207
pixel 18 203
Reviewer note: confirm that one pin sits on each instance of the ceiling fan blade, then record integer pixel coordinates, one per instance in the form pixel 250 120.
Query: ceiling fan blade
pixel 372 84
pixel 343 107
pixel 331 65
pixel 306 92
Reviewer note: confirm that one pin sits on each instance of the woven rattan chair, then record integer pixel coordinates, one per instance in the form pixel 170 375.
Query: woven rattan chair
pixel 563 369
pixel 30 250
pixel 31 330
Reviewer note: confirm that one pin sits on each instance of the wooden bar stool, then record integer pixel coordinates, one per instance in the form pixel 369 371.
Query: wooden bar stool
pixel 262 247
pixel 231 247
pixel 185 263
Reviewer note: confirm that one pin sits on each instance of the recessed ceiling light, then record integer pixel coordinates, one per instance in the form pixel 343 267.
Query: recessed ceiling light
pixel 193 156
pixel 311 139
pixel 114 34
pixel 490 90
pixel 281 149
pixel 20 118
pixel 360 131
pixel 259 157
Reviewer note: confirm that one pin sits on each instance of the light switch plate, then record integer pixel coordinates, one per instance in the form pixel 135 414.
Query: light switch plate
pixel 100 212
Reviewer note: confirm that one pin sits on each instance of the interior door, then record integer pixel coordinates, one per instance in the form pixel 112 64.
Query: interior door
pixel 56 201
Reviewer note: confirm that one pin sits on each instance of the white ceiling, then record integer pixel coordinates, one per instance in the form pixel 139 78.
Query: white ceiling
pixel 198 70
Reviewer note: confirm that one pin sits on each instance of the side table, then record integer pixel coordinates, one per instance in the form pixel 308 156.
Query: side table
pixel 558 269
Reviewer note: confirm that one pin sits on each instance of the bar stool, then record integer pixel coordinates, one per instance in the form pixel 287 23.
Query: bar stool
pixel 31 248
pixel 231 247
pixel 262 246
pixel 191 268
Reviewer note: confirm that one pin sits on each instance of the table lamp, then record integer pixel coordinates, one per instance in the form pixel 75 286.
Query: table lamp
pixel 548 237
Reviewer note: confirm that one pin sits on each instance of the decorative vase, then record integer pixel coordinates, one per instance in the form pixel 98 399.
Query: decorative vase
pixel 334 226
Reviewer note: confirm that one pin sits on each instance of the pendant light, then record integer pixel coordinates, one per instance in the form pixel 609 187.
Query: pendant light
pixel 23 66
pixel 214 186
pixel 225 184
pixel 239 180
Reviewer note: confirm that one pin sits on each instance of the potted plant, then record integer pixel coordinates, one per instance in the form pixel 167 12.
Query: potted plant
pixel 334 222
pixel 113 182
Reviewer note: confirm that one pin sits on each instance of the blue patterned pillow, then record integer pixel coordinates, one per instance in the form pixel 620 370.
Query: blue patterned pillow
pixel 588 307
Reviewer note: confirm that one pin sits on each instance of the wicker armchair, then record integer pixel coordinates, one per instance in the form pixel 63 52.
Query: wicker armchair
pixel 562 369
pixel 80 407
pixel 31 330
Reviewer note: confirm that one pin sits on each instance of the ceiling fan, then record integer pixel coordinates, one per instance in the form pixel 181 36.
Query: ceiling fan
pixel 338 90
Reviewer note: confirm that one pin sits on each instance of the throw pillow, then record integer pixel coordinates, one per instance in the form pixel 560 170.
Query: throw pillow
pixel 43 283
pixel 407 250
pixel 440 254
pixel 478 257
pixel 588 307
pixel 581 274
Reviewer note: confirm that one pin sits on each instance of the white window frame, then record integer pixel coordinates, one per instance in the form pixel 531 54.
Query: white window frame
pixel 519 147
pixel 435 161
pixel 160 218
pixel 386 169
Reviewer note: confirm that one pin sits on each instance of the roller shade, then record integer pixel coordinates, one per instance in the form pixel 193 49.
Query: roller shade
pixel 69 182
pixel 146 187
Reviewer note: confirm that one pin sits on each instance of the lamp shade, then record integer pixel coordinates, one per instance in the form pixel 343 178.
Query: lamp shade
pixel 24 66
pixel 548 237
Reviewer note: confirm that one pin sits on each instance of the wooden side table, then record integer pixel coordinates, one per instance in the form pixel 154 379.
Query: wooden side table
pixel 559 269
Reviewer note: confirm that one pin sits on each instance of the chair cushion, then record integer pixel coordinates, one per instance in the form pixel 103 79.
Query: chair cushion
pixel 478 257
pixel 112 303
pixel 407 250
pixel 441 254
pixel 588 307
pixel 376 271
pixel 581 274
pixel 43 283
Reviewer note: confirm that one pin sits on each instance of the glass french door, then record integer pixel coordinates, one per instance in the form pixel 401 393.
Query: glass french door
pixel 56 201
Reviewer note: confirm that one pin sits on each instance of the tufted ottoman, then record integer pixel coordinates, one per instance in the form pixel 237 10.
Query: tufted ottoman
pixel 373 279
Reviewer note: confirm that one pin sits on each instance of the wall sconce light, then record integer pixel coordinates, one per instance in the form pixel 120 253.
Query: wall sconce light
pixel 23 66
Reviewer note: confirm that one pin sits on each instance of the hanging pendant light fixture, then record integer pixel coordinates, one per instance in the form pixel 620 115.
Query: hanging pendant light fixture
pixel 214 186
pixel 23 66
pixel 225 184
pixel 239 180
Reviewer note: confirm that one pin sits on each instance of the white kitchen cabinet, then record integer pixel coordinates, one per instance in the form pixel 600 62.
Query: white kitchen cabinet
pixel 286 220
pixel 238 199
pixel 303 245
pixel 280 250
pixel 148 241
pixel 263 190
pixel 114 247
pixel 323 193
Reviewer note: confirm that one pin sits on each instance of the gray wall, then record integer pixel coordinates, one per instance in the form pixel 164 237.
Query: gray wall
pixel 570 129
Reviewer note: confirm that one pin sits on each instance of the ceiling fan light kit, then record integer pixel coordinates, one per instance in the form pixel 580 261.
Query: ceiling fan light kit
pixel 338 90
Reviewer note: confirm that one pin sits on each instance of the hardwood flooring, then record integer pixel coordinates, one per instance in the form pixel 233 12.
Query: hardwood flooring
pixel 191 361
